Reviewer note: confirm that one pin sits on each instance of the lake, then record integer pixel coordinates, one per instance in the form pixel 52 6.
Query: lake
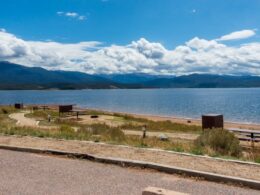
pixel 237 105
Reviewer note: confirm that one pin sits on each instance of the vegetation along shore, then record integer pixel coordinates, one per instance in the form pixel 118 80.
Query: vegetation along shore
pixel 126 129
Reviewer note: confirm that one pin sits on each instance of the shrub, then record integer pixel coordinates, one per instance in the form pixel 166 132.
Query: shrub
pixel 115 134
pixel 257 159
pixel 164 126
pixel 104 131
pixel 66 132
pixel 4 111
pixel 221 141
pixel 98 129
pixel 197 151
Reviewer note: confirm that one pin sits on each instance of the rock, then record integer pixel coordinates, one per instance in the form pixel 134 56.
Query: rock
pixel 160 191
pixel 163 137
pixel 96 138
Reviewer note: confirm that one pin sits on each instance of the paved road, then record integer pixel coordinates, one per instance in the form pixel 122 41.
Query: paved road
pixel 26 173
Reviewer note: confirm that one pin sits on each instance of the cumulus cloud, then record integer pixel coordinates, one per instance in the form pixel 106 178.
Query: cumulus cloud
pixel 243 34
pixel 142 56
pixel 72 15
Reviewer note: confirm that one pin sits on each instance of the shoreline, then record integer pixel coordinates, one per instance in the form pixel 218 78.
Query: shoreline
pixel 174 119
pixel 181 120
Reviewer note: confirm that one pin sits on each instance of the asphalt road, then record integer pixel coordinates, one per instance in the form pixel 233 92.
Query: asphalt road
pixel 26 173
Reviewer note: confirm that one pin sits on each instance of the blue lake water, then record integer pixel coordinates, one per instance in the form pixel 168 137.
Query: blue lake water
pixel 237 105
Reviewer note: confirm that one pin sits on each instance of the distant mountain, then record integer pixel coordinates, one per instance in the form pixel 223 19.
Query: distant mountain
pixel 204 81
pixel 133 78
pixel 14 76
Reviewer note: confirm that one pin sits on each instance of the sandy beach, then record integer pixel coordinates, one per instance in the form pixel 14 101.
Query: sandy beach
pixel 187 121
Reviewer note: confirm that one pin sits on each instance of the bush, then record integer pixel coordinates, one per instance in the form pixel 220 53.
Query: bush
pixel 115 134
pixel 257 159
pixel 67 132
pixel 104 132
pixel 163 126
pixel 221 141
pixel 4 111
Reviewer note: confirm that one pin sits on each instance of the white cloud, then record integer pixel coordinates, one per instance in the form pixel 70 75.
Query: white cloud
pixel 194 11
pixel 82 17
pixel 72 15
pixel 141 56
pixel 60 13
pixel 243 34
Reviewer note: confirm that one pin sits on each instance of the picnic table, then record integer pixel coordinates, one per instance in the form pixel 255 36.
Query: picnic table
pixel 42 106
pixel 247 134
pixel 78 112
pixel 70 109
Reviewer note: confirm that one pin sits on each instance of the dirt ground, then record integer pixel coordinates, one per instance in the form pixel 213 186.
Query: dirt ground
pixel 250 171
pixel 198 122
pixel 106 119
pixel 111 121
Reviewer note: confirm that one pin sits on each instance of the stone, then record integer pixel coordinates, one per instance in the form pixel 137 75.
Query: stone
pixel 160 191
pixel 163 137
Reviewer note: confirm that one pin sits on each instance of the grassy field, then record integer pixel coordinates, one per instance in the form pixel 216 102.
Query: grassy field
pixel 127 122
pixel 216 142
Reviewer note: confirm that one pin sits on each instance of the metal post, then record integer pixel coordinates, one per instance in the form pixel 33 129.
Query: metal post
pixel 252 140
pixel 144 131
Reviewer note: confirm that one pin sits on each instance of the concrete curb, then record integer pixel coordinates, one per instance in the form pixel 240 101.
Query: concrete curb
pixel 145 149
pixel 141 164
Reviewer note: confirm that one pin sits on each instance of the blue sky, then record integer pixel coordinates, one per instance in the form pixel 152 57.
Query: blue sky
pixel 164 24
pixel 171 22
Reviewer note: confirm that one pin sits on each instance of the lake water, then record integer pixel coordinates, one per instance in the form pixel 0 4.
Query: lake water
pixel 237 105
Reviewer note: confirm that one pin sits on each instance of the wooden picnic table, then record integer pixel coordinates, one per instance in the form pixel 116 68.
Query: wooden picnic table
pixel 248 134
pixel 42 106
pixel 78 111
pixel 69 109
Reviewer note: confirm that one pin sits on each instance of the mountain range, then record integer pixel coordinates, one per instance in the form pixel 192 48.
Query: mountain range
pixel 15 76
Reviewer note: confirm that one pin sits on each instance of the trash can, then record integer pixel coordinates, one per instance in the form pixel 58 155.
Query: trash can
pixel 210 121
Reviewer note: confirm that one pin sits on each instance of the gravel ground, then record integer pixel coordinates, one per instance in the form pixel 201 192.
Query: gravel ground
pixel 185 136
pixel 25 173
pixel 106 150
pixel 22 120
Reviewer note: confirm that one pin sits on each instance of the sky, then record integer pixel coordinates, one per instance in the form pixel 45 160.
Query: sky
pixel 173 37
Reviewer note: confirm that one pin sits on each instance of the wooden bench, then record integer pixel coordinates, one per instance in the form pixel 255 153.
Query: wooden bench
pixel 246 134
pixel 40 107
pixel 69 109
pixel 78 112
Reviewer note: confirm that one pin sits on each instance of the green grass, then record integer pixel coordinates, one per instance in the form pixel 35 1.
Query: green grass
pixel 217 143
pixel 42 114
pixel 5 110
pixel 129 122
pixel 163 126
pixel 257 159
pixel 135 123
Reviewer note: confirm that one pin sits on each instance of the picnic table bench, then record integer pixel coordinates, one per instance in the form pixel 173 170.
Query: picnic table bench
pixel 78 112
pixel 69 109
pixel 246 134
pixel 42 106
